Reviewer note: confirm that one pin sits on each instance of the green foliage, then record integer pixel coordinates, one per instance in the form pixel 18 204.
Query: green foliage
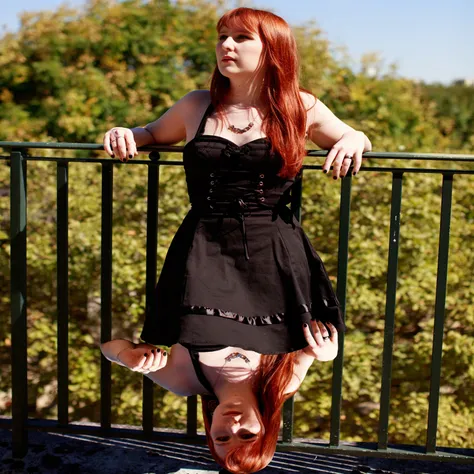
pixel 69 75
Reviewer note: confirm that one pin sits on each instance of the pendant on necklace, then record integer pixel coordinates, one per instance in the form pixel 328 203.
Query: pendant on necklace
pixel 240 130
pixel 237 355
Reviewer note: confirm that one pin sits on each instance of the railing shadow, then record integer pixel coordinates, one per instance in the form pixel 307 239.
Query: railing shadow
pixel 70 453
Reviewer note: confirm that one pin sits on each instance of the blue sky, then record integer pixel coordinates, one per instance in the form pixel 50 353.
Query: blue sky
pixel 432 40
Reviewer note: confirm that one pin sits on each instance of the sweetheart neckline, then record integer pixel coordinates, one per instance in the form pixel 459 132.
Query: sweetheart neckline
pixel 226 139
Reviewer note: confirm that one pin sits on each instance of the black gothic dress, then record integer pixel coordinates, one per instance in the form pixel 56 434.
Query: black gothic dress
pixel 240 271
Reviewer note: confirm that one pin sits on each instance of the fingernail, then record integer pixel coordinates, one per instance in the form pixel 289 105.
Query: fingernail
pixel 334 177
pixel 146 354
pixel 353 174
pixel 153 351
pixel 325 171
pixel 130 156
pixel 305 325
pixel 342 177
pixel 165 354
pixel 113 156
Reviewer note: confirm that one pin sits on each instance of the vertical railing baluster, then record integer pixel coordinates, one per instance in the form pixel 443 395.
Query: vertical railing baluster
pixel 343 256
pixel 441 285
pixel 106 294
pixel 288 420
pixel 394 244
pixel 151 259
pixel 18 304
pixel 289 405
pixel 191 415
pixel 62 297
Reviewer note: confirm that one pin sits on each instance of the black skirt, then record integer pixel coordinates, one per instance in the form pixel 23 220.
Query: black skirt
pixel 211 295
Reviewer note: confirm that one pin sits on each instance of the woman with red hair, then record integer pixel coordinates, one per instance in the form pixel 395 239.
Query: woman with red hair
pixel 243 299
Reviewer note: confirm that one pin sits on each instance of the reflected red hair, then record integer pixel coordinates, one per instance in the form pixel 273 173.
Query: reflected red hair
pixel 284 122
pixel 273 376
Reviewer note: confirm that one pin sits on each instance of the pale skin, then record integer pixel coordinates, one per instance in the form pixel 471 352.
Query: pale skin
pixel 238 52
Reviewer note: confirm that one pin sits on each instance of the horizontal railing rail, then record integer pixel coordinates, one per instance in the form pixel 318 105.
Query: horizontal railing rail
pixel 18 154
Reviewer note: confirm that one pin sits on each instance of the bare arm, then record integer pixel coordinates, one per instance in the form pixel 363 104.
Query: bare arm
pixel 112 349
pixel 330 133
pixel 303 362
pixel 172 127
pixel 324 128
pixel 169 371
pixel 323 347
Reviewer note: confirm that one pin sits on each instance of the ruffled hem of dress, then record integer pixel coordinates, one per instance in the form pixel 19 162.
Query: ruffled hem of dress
pixel 250 320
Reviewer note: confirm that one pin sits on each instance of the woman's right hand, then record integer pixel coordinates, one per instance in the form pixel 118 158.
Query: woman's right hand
pixel 119 142
pixel 322 346
pixel 143 358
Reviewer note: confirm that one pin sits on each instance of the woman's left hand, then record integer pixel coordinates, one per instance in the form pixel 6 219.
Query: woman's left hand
pixel 348 150
pixel 322 346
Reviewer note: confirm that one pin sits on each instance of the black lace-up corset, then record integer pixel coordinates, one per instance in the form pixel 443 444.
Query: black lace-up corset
pixel 227 180
pixel 234 194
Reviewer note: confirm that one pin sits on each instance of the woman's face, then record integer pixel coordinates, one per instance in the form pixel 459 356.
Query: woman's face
pixel 238 52
pixel 233 424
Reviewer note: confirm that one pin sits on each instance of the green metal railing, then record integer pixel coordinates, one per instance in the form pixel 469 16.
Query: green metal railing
pixel 19 422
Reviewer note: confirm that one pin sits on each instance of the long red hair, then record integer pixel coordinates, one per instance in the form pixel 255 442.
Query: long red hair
pixel 272 378
pixel 284 121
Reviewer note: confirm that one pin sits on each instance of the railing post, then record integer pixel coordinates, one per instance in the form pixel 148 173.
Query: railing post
pixel 18 304
pixel 191 415
pixel 151 259
pixel 438 331
pixel 343 256
pixel 394 244
pixel 106 294
pixel 63 285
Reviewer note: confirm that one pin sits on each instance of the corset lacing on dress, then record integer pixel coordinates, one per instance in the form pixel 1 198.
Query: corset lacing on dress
pixel 236 194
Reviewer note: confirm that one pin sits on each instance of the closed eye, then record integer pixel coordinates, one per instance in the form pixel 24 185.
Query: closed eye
pixel 244 436
pixel 239 37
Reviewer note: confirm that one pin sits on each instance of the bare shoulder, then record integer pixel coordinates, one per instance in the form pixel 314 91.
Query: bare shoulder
pixel 196 99
pixel 312 105
pixel 194 105
pixel 309 100
pixel 181 120
pixel 180 355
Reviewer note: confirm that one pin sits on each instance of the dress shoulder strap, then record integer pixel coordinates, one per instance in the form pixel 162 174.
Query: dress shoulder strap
pixel 199 372
pixel 202 125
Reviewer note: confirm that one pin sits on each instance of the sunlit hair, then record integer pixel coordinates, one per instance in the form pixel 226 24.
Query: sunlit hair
pixel 273 375
pixel 284 122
